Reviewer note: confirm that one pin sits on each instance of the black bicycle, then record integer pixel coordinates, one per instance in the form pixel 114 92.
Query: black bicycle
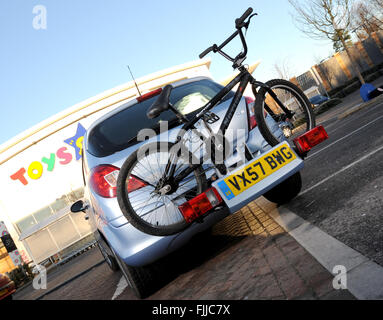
pixel 160 177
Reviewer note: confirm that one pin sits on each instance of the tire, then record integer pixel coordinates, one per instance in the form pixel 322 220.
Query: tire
pixel 108 255
pixel 303 120
pixel 286 190
pixel 161 216
pixel 142 280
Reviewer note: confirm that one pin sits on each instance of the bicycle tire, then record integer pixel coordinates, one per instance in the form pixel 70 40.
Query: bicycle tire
pixel 131 212
pixel 267 126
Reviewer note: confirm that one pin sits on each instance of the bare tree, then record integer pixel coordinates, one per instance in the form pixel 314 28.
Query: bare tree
pixel 367 18
pixel 326 19
pixel 283 69
pixel 337 42
pixel 377 4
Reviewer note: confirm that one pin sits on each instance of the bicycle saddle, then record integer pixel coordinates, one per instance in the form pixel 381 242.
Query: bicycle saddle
pixel 161 104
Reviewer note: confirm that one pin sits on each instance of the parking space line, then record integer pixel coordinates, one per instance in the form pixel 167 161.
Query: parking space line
pixel 344 122
pixel 342 170
pixel 336 118
pixel 121 286
pixel 346 136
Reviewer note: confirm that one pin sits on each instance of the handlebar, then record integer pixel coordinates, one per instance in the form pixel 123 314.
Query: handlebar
pixel 239 24
pixel 215 48
pixel 206 51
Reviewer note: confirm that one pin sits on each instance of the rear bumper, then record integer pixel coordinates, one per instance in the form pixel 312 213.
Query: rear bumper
pixel 138 249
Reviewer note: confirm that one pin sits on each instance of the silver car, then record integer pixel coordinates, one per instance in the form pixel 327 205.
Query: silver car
pixel 111 139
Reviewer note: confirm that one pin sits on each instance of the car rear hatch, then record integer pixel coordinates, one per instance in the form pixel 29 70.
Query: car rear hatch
pixel 114 137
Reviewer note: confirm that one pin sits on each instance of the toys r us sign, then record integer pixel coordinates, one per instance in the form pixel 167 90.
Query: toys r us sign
pixel 36 168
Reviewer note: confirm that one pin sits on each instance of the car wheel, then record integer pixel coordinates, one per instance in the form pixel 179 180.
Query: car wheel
pixel 108 255
pixel 285 191
pixel 140 279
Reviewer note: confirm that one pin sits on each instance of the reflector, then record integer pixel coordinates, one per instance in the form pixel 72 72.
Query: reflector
pixel 310 139
pixel 199 205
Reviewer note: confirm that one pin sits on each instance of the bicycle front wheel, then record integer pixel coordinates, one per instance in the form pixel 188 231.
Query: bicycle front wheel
pixel 283 112
pixel 150 202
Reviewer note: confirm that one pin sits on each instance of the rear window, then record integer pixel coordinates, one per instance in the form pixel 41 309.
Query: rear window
pixel 120 130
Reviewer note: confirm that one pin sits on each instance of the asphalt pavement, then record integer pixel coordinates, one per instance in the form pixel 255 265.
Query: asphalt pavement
pixel 342 190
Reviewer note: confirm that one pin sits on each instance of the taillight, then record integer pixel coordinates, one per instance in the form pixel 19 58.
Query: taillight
pixel 250 112
pixel 310 139
pixel 149 95
pixel 135 184
pixel 199 205
pixel 103 180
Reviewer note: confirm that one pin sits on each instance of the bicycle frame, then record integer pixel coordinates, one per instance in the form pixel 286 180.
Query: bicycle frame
pixel 244 78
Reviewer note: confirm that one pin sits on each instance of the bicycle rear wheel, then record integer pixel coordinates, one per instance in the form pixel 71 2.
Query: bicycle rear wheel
pixel 139 191
pixel 274 123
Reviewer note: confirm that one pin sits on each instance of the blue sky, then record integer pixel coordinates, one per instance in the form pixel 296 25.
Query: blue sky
pixel 87 45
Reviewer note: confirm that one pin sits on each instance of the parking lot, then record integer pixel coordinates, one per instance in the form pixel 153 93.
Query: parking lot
pixel 257 253
pixel 342 183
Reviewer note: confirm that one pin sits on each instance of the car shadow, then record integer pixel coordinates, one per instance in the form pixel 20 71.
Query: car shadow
pixel 202 248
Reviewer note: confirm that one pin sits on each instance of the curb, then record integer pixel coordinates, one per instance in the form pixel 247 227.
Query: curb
pixel 364 277
pixel 360 107
pixel 70 280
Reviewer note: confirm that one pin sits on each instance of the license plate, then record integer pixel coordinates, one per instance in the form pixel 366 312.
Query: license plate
pixel 256 171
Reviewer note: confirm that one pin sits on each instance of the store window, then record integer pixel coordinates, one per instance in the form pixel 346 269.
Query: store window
pixel 42 214
pixel 26 223
pixel 61 203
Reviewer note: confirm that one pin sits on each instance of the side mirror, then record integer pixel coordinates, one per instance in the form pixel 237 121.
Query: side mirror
pixel 78 206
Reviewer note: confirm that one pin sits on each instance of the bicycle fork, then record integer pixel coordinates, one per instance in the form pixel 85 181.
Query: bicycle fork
pixel 288 113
